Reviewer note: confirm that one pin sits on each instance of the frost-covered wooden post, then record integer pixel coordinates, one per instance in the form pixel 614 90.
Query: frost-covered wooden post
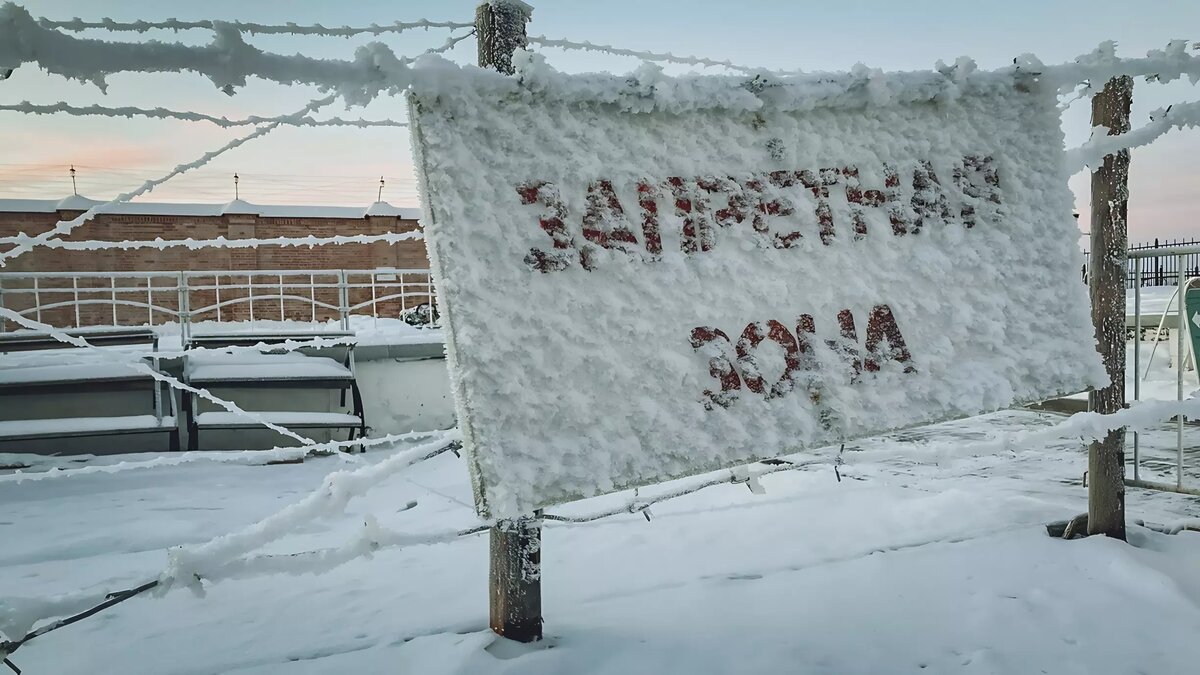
pixel 515 583
pixel 1110 196
pixel 500 31
pixel 515 577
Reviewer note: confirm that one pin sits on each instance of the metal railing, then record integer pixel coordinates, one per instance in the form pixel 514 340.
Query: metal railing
pixel 79 299
pixel 1182 282
pixel 1160 264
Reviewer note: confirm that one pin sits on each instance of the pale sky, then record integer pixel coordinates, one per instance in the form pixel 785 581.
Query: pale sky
pixel 342 166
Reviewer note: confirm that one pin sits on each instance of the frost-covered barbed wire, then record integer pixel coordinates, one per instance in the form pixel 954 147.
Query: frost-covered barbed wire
pixel 335 493
pixel 666 57
pixel 371 539
pixel 145 369
pixel 745 475
pixel 1103 64
pixel 186 564
pixel 228 60
pixel 65 227
pixel 248 27
pixel 219 242
pixel 285 346
pixel 243 457
pixel 19 615
pixel 1093 152
pixel 189 116
pixel 449 44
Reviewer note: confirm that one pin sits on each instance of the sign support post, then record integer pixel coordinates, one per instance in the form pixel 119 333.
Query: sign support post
pixel 1109 238
pixel 515 579
pixel 515 574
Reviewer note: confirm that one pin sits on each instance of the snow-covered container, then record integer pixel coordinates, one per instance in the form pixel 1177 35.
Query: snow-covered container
pixel 646 277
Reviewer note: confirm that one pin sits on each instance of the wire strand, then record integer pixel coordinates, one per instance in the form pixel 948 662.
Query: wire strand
pixel 78 25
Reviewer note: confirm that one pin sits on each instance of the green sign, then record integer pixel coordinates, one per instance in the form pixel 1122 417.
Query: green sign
pixel 1191 309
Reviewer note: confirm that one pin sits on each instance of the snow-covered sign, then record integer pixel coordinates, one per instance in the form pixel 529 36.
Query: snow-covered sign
pixel 646 277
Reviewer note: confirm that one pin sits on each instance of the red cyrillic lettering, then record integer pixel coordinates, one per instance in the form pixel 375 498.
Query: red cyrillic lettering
pixel 552 222
pixel 604 223
pixel 752 337
pixel 720 365
pixel 882 326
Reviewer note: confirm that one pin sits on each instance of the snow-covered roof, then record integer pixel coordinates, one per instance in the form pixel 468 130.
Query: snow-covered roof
pixel 237 206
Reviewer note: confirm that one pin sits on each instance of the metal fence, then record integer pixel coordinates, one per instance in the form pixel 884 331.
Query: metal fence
pixel 80 299
pixel 1184 472
pixel 1159 267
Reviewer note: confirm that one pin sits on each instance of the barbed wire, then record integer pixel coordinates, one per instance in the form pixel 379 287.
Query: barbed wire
pixel 227 61
pixel 64 227
pixel 449 44
pixel 1100 145
pixel 145 369
pixel 289 28
pixel 189 116
pixel 230 552
pixel 667 57
pixel 335 491
pixel 187 563
pixel 243 457
pixel 219 242
pixel 227 558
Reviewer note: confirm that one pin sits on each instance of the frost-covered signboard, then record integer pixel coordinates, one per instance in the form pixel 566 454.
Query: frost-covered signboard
pixel 644 278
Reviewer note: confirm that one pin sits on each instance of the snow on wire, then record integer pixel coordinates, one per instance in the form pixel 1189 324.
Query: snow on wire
pixel 228 60
pixel 666 57
pixel 243 457
pixel 65 227
pixel 188 563
pixel 224 552
pixel 151 372
pixel 1093 152
pixel 251 28
pixel 226 557
pixel 219 242
pixel 189 116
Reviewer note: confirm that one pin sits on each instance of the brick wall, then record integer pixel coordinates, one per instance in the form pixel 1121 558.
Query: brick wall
pixel 120 227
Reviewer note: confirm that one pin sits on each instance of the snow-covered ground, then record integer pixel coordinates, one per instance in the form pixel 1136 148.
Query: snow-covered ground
pixel 928 556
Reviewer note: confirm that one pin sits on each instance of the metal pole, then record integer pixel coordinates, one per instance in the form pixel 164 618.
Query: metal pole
pixel 185 314
pixel 75 295
pixel 343 300
pixel 1137 357
pixel 113 284
pixel 1179 346
pixel 312 295
pixel 37 300
pixel 374 294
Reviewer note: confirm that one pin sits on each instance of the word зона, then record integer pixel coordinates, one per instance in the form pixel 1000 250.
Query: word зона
pixel 759 200
pixel 735 366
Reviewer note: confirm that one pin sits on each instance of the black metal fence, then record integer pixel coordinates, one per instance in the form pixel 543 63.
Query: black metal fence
pixel 1158 270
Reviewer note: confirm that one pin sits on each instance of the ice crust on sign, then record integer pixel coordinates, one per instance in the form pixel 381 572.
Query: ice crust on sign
pixel 571 348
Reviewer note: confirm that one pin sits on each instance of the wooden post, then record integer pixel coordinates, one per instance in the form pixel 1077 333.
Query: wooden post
pixel 500 31
pixel 515 581
pixel 515 577
pixel 1110 238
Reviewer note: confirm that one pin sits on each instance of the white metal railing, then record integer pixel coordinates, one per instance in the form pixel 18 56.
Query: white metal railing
pixel 78 299
pixel 1182 330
